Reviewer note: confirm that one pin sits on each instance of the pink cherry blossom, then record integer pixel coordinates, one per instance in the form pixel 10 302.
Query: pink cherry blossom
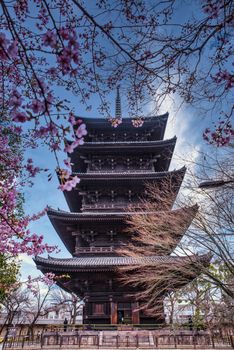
pixel 75 57
pixel 115 122
pixel 33 171
pixel 65 33
pixel 67 162
pixel 80 142
pixel 15 100
pixel 70 147
pixel 221 135
pixel 49 39
pixel 37 106
pixel 70 184
pixel 72 119
pixel 3 46
pixel 13 50
pixel 19 117
pixel 81 131
pixel 63 174
pixel 3 40
pixel 64 60
pixel 137 122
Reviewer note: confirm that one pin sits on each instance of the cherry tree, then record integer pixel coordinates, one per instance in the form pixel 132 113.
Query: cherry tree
pixel 22 307
pixel 153 49
pixel 13 305
pixel 150 48
pixel 70 301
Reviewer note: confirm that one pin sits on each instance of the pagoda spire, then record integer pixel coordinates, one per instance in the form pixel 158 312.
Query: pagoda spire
pixel 118 113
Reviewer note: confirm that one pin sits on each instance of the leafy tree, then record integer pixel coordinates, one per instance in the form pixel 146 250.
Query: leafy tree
pixel 207 300
pixel 9 269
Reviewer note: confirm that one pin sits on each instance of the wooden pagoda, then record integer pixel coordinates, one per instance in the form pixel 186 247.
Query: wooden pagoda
pixel 113 165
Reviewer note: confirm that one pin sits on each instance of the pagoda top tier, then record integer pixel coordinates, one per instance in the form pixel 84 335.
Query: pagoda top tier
pixel 102 130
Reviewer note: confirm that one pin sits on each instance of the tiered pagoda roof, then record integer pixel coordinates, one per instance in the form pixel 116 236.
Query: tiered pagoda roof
pixel 191 267
pixel 114 166
pixel 127 176
pixel 154 126
pixel 56 215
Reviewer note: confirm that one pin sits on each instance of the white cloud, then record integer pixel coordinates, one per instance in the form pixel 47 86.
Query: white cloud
pixel 179 124
pixel 27 267
pixel 25 259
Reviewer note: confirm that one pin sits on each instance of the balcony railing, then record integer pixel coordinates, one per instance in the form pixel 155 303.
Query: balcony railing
pixel 108 206
pixel 89 250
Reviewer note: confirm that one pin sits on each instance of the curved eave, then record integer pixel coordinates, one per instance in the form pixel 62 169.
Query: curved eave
pixel 104 125
pixel 73 199
pixel 132 145
pixel 186 269
pixel 61 229
pixel 131 176
pixel 84 264
pixel 77 217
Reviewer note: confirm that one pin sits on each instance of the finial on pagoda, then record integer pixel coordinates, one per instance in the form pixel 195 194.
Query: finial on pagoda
pixel 118 113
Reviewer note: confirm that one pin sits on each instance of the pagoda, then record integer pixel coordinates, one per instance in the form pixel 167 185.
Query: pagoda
pixel 113 165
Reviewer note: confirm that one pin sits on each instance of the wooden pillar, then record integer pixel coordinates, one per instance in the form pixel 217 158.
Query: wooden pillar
pixel 135 313
pixel 114 315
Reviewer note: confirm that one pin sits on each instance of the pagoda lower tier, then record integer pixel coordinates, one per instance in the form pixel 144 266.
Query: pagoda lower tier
pixel 96 280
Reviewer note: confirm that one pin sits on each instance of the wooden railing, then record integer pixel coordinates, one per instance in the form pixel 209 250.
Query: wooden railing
pixel 135 339
pixel 88 250
pixel 111 206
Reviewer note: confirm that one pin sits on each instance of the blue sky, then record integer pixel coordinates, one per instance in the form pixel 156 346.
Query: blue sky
pixel 186 124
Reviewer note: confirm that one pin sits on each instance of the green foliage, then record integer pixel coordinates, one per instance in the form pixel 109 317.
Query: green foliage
pixel 9 266
pixel 9 269
pixel 205 295
pixel 198 320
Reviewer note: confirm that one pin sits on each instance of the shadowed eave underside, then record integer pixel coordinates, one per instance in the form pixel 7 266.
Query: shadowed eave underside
pixel 104 180
pixel 61 220
pixel 162 150
pixel 188 267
